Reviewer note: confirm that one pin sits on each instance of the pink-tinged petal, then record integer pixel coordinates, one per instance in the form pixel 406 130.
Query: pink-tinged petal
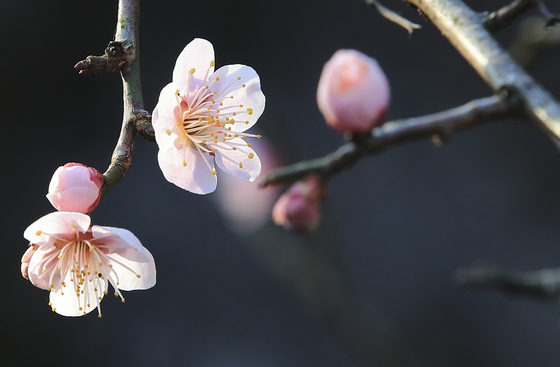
pixel 243 84
pixel 165 115
pixel 121 241
pixel 237 162
pixel 197 55
pixel 74 199
pixel 57 223
pixel 195 176
pixel 133 275
pixel 44 258
pixel 65 302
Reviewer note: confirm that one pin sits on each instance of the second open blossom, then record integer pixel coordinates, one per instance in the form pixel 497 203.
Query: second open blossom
pixel 201 118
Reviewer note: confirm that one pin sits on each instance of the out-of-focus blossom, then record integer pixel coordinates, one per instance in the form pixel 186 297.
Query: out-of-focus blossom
pixel 75 188
pixel 76 262
pixel 244 205
pixel 298 209
pixel 353 92
pixel 201 118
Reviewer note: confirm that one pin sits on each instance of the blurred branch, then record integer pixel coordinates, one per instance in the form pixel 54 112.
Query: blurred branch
pixel 122 54
pixel 532 39
pixel 551 19
pixel 393 17
pixel 503 17
pixel 465 30
pixel 543 284
pixel 440 126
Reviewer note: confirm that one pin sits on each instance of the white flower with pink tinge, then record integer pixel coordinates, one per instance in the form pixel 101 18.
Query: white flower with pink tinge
pixel 76 262
pixel 201 118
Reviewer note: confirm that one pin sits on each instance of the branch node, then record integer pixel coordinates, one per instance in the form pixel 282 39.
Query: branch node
pixel 143 124
pixel 115 57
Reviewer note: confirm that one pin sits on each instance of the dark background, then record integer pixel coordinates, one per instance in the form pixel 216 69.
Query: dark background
pixel 405 219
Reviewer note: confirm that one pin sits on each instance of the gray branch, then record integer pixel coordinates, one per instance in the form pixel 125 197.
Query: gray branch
pixel 542 284
pixel 503 17
pixel 465 30
pixel 393 17
pixel 122 54
pixel 439 126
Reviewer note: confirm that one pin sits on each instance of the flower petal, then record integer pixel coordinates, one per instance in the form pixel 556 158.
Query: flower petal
pixel 195 176
pixel 198 55
pixel 243 84
pixel 127 270
pixel 66 302
pixel 165 115
pixel 57 223
pixel 74 199
pixel 37 263
pixel 119 240
pixel 229 160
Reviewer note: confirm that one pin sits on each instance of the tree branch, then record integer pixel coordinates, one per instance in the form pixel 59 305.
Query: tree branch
pixel 543 284
pixel 503 17
pixel 122 54
pixel 441 125
pixel 393 17
pixel 465 30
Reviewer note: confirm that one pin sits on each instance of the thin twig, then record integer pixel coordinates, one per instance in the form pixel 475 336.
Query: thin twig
pixel 543 284
pixel 440 125
pixel 551 19
pixel 503 17
pixel 393 17
pixel 465 30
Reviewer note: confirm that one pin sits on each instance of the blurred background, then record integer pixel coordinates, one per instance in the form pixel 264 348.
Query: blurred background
pixel 377 275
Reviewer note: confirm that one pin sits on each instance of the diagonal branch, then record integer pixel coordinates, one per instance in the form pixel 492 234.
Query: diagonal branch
pixel 503 17
pixel 543 284
pixel 441 126
pixel 393 17
pixel 465 30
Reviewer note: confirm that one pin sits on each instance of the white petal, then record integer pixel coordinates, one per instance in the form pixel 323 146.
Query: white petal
pixel 119 240
pixel 35 273
pixel 228 160
pixel 127 270
pixel 250 96
pixel 68 304
pixel 57 223
pixel 194 177
pixel 196 55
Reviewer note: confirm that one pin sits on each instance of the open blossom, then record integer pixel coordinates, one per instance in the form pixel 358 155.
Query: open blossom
pixel 76 262
pixel 75 188
pixel 201 118
pixel 298 209
pixel 353 92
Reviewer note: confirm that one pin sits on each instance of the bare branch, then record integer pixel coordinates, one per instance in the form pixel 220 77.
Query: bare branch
pixel 503 17
pixel 543 284
pixel 135 118
pixel 113 59
pixel 441 125
pixel 464 29
pixel 393 17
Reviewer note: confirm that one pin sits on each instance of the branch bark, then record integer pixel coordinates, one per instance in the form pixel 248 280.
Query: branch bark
pixel 441 126
pixel 542 284
pixel 122 54
pixel 503 17
pixel 465 30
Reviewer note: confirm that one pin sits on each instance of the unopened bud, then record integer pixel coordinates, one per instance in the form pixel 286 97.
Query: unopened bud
pixel 75 188
pixel 353 92
pixel 298 209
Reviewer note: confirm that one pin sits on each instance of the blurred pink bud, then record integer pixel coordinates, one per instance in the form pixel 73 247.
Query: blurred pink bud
pixel 353 92
pixel 298 208
pixel 75 188
pixel 26 258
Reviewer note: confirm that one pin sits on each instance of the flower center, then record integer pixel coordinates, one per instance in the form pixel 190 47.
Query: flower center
pixel 87 267
pixel 206 116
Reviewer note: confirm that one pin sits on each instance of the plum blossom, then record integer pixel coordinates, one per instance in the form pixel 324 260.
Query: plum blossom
pixel 75 188
pixel 76 262
pixel 298 209
pixel 201 118
pixel 353 92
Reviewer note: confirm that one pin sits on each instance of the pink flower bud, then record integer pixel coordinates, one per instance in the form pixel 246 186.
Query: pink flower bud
pixel 298 208
pixel 353 92
pixel 75 188
pixel 26 258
